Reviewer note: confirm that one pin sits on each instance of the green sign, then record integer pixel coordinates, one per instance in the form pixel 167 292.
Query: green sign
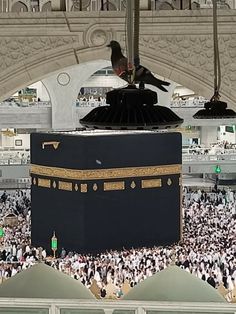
pixel 28 92
pixel 217 169
pixel 54 243
pixel 1 232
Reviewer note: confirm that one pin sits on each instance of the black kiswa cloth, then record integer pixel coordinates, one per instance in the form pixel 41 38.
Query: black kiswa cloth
pixel 105 190
pixel 120 66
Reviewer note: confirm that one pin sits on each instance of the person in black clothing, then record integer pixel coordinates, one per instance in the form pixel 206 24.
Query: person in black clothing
pixel 211 281
pixel 103 292
pixel 4 197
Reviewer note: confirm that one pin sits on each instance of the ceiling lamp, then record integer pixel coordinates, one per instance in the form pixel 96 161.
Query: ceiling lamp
pixel 131 108
pixel 215 109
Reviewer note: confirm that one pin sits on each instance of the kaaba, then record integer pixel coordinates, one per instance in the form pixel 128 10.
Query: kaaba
pixel 101 190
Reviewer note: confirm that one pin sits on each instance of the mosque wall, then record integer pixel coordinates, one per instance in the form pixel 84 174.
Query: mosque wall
pixel 176 45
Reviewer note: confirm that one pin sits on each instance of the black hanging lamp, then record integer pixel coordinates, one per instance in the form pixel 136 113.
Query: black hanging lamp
pixel 131 108
pixel 215 109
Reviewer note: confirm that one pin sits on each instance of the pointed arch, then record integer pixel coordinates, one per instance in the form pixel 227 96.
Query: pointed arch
pixel 195 5
pixel 166 6
pixel 47 6
pixel 109 6
pixel 19 6
pixel 163 5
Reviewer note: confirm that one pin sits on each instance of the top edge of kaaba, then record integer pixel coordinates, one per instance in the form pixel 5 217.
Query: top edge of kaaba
pixel 75 150
pixel 89 133
pixel 86 134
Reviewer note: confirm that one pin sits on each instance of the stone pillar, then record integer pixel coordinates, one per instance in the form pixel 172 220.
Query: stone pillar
pixel 145 4
pixel 208 135
pixel 58 5
pixel 63 88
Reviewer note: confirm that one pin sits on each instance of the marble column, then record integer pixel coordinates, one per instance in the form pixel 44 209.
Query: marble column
pixel 208 135
pixel 63 88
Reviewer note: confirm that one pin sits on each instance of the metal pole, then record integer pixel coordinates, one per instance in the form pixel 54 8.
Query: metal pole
pixel 130 33
pixel 216 51
pixel 136 32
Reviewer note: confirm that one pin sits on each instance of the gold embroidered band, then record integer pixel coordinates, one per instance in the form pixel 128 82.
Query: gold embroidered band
pixel 112 173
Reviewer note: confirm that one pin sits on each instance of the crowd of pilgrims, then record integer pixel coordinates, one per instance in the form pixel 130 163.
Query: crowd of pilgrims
pixel 207 249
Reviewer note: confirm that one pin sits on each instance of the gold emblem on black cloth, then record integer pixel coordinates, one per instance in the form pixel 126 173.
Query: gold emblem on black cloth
pixel 83 188
pixel 132 185
pixel 95 187
pixel 67 186
pixel 114 186
pixel 152 183
pixel 45 183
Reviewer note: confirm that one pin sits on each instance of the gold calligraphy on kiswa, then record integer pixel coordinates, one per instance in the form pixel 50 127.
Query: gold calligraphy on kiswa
pixel 112 173
pixel 67 186
pixel 114 186
pixel 45 183
pixel 153 183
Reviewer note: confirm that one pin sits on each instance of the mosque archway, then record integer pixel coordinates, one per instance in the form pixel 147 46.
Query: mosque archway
pixel 162 65
pixel 177 55
pixel 166 6
pixel 195 5
pixel 47 6
pixel 80 5
pixel 19 6
pixel 110 6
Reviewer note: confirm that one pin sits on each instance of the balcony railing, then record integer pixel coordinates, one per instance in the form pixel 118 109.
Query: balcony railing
pixel 188 103
pixel 104 5
pixel 14 104
pixel 208 158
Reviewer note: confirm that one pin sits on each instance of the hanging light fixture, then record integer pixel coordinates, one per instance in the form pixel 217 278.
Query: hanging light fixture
pixel 132 108
pixel 215 109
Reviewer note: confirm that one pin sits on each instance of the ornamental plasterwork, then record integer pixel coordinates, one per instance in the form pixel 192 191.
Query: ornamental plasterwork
pixel 190 53
pixel 195 51
pixel 15 49
pixel 97 36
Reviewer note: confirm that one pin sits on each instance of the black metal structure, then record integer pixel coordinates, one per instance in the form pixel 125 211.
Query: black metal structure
pixel 215 109
pixel 131 108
